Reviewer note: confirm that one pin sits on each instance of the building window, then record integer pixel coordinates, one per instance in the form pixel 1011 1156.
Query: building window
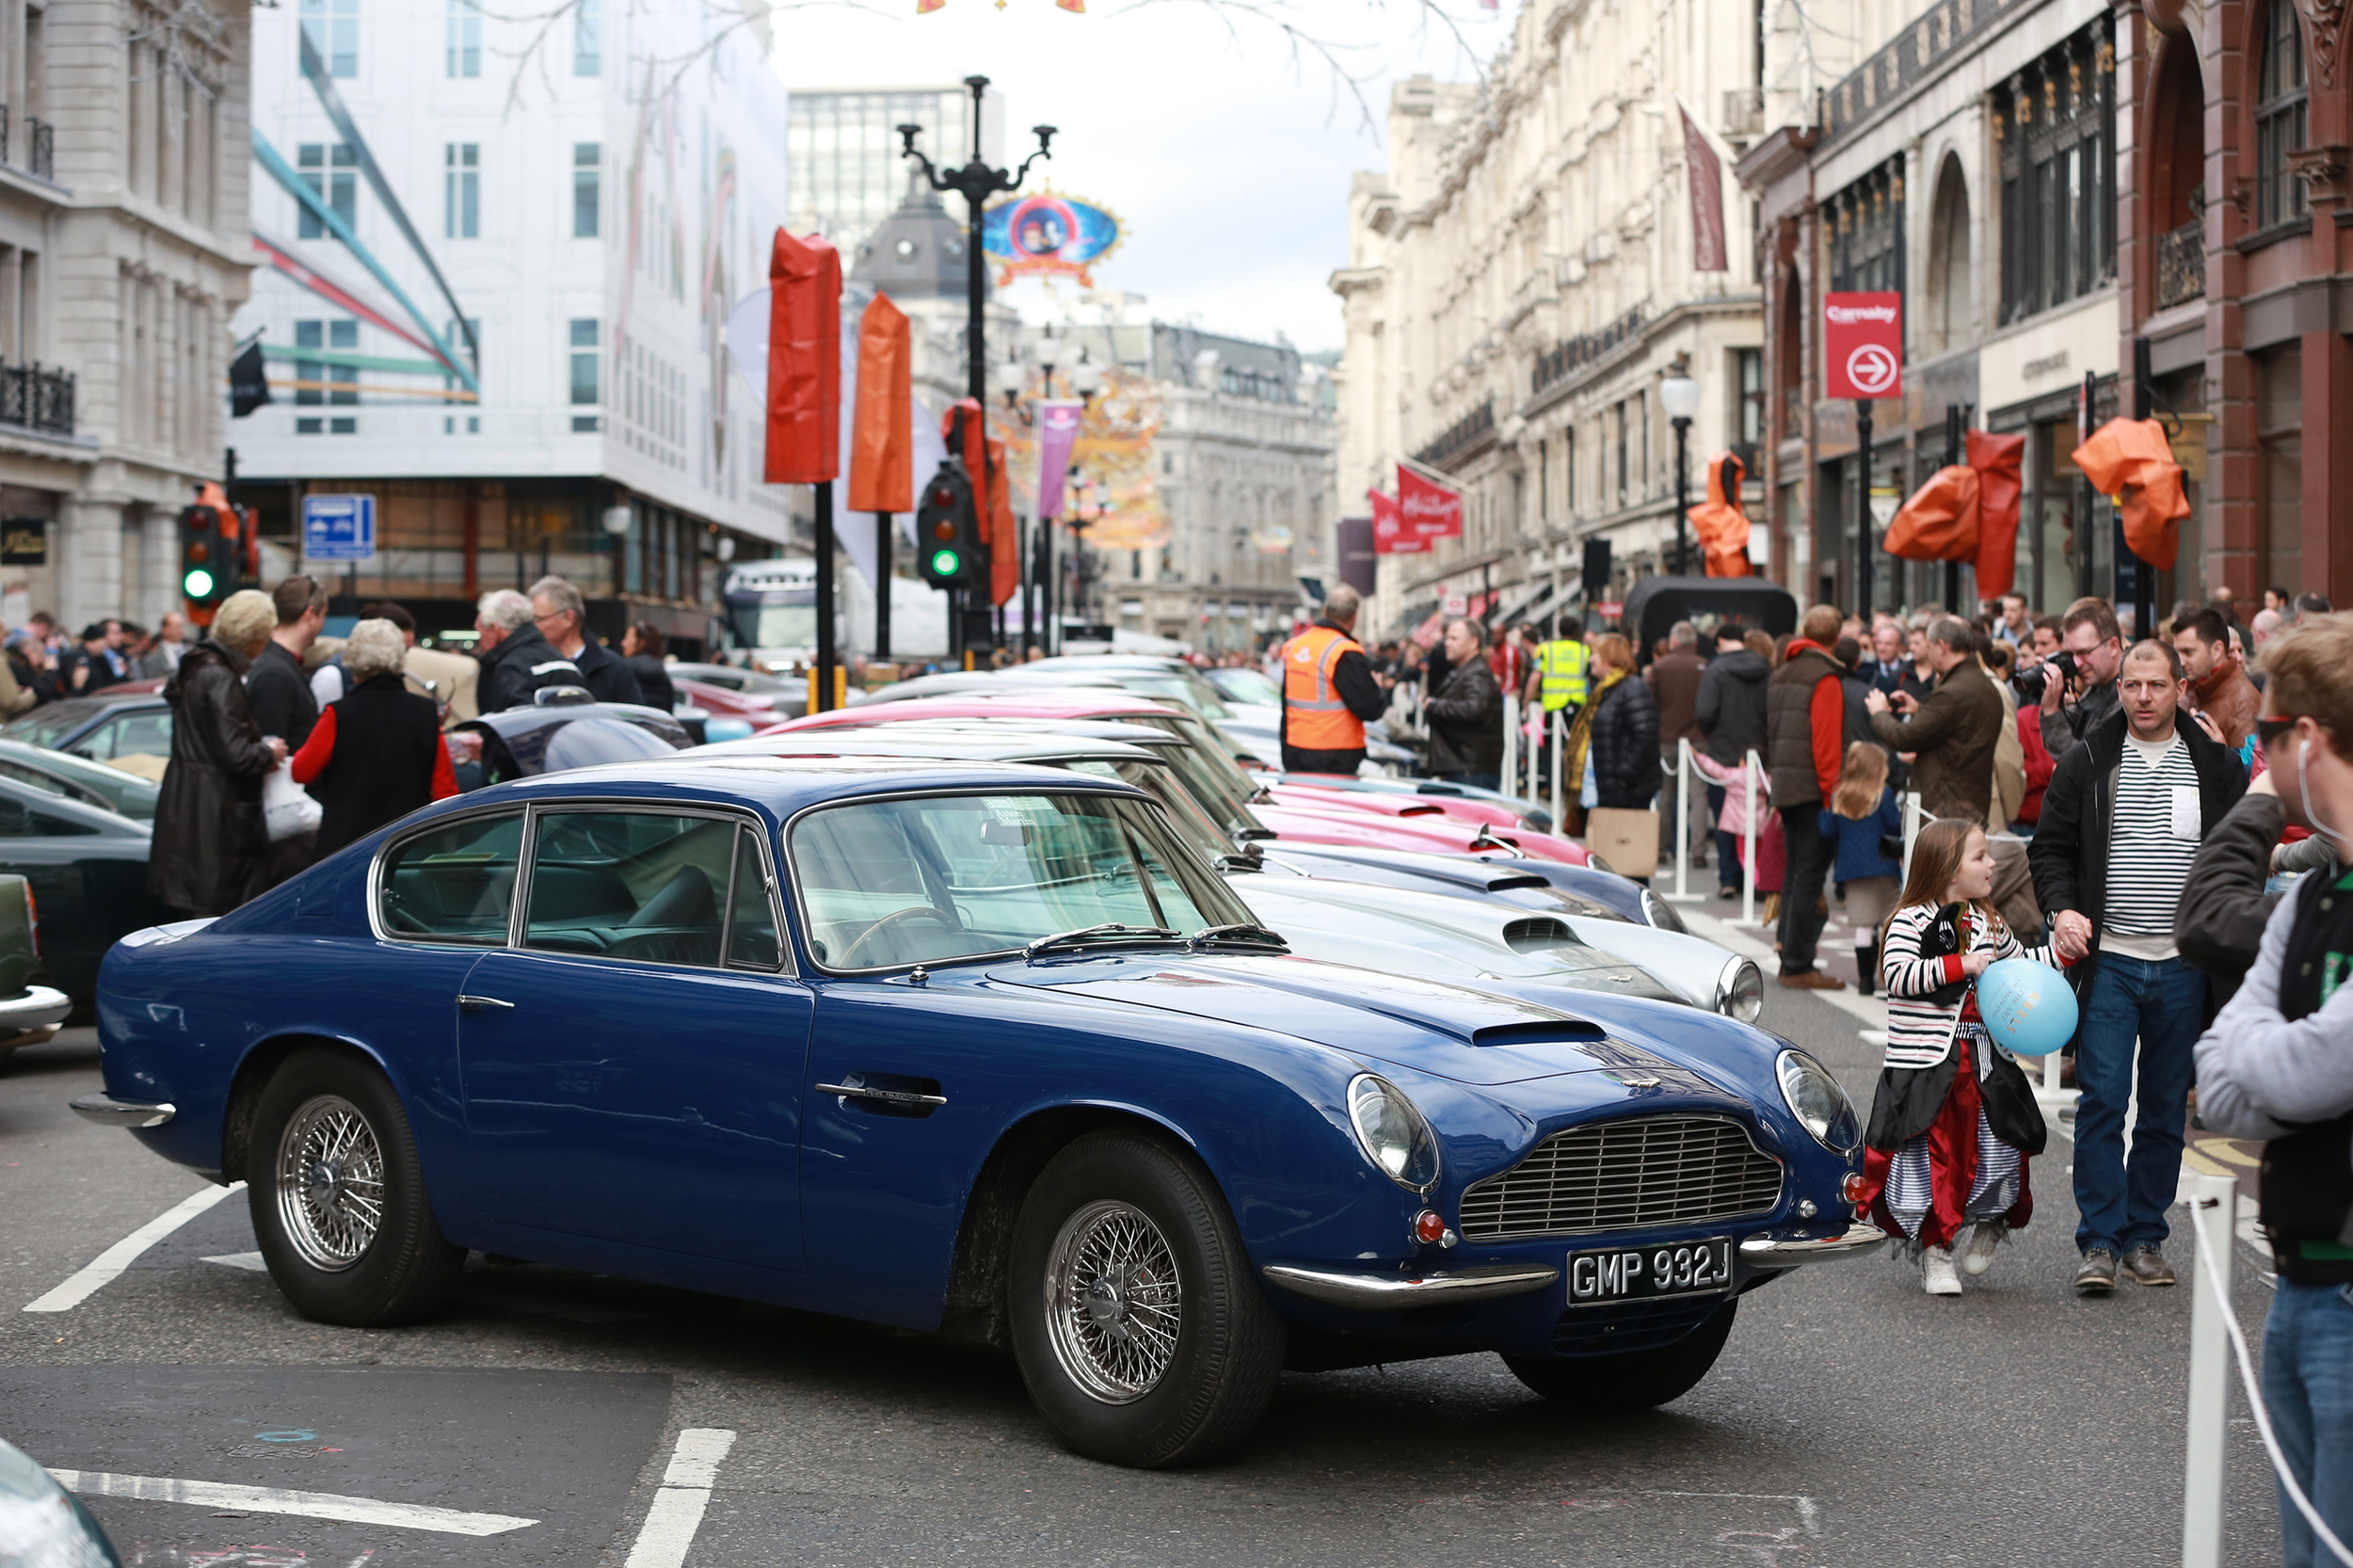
pixel 2280 108
pixel 2055 124
pixel 1866 229
pixel 586 385
pixel 461 191
pixel 1748 374
pixel 588 38
pixel 329 169
pixel 465 39
pixel 333 28
pixel 2280 467
pixel 323 380
pixel 587 159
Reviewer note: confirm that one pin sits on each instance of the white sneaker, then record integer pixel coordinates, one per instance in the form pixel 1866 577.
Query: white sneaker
pixel 1936 1272
pixel 1980 1256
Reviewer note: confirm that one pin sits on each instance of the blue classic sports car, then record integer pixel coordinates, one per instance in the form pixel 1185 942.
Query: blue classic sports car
pixel 976 1048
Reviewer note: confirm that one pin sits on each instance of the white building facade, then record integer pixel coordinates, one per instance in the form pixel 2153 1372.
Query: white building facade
pixel 598 194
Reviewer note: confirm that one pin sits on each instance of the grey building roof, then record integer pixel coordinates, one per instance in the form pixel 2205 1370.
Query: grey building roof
pixel 916 253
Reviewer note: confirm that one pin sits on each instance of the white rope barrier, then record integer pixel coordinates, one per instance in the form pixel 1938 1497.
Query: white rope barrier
pixel 2212 1209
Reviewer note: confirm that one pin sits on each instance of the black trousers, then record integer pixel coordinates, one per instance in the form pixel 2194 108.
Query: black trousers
pixel 1343 762
pixel 1807 863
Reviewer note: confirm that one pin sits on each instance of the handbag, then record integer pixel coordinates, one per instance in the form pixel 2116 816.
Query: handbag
pixel 287 808
pixel 1892 847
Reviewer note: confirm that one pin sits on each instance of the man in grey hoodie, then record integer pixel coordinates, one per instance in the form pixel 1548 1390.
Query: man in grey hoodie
pixel 1730 712
pixel 2277 1064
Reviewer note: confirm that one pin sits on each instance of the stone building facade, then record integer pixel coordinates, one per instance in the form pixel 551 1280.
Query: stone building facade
pixel 123 251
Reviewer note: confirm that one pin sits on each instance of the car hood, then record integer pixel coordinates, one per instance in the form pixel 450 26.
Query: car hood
pixel 1456 1031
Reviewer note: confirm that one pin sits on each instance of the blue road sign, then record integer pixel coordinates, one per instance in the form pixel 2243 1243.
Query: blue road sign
pixel 339 527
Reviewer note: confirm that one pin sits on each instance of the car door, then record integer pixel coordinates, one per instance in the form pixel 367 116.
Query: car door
pixel 633 1067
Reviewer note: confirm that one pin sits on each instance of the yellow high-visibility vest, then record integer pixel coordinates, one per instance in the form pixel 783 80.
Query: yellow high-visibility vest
pixel 1562 663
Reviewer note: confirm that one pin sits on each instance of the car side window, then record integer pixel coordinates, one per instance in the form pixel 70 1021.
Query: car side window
pixel 454 884
pixel 46 783
pixel 145 734
pixel 753 941
pixel 644 885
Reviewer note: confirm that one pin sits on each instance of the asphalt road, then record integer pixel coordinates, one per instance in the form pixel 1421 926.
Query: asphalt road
pixel 1851 1420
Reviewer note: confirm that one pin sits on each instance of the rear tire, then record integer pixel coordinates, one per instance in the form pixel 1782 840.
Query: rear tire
pixel 338 1196
pixel 1638 1380
pixel 1140 1328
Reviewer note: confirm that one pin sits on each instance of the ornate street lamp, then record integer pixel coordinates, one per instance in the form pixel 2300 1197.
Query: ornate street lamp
pixel 1680 396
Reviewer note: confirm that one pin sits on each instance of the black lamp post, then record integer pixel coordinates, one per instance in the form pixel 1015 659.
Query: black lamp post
pixel 1680 396
pixel 976 182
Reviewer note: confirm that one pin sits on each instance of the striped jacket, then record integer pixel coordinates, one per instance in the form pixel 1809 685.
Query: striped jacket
pixel 1920 965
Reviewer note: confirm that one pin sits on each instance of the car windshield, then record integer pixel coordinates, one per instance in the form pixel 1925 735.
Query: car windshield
pixel 1185 814
pixel 1246 686
pixel 931 879
pixel 42 726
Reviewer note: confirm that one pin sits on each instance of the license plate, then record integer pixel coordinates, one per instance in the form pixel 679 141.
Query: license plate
pixel 1637 1273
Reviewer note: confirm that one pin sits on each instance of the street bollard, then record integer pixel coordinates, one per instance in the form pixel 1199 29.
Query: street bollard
pixel 2212 1206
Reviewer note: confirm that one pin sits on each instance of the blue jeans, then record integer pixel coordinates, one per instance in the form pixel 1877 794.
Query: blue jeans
pixel 2308 1382
pixel 2162 1005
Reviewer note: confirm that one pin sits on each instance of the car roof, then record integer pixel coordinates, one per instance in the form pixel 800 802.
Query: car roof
pixel 779 787
pixel 975 705
pixel 990 743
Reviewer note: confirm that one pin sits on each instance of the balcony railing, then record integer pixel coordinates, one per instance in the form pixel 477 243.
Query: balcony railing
pixel 1574 354
pixel 32 398
pixel 39 150
pixel 2181 264
pixel 1459 437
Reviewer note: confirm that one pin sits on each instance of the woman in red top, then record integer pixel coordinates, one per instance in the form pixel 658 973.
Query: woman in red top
pixel 376 753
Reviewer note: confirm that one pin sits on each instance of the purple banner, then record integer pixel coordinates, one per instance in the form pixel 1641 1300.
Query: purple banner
pixel 1057 433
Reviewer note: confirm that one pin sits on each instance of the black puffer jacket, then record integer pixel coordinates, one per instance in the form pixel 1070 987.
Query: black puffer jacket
pixel 211 844
pixel 1625 747
pixel 1466 721
pixel 1731 707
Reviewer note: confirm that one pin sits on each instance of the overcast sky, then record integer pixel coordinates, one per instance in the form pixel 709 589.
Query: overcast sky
pixel 1228 164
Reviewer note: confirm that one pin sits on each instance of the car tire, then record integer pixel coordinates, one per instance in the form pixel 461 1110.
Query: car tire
pixel 338 1196
pixel 1140 1328
pixel 1636 1380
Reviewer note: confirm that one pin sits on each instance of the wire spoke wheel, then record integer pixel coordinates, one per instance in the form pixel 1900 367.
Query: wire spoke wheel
pixel 1113 1302
pixel 331 1183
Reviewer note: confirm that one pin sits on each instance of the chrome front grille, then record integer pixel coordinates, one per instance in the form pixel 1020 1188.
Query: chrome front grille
pixel 1625 1175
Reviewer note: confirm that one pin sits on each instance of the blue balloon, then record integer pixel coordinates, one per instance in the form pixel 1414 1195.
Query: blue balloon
pixel 2028 1007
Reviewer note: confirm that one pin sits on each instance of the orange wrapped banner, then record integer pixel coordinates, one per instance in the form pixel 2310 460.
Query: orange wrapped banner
pixel 2131 460
pixel 1723 527
pixel 882 422
pixel 804 362
pixel 1996 460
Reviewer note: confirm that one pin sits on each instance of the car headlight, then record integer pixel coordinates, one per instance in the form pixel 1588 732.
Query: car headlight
pixel 1392 1132
pixel 1660 913
pixel 1817 1100
pixel 1740 990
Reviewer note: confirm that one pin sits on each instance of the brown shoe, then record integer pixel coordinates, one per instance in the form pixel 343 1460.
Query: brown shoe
pixel 2147 1265
pixel 1812 980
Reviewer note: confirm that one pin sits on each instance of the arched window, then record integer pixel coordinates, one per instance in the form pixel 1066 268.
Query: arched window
pixel 2279 117
pixel 1948 325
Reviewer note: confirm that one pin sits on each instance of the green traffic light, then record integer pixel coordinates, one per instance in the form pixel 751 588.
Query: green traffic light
pixel 197 583
pixel 944 563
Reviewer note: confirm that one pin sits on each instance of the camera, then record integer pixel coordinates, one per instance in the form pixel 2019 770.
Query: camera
pixel 2063 662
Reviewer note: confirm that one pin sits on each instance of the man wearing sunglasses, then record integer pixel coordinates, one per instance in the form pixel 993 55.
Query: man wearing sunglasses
pixel 2122 819
pixel 2277 1064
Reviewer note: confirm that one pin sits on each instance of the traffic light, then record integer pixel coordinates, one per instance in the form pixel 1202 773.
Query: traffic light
pixel 947 531
pixel 208 567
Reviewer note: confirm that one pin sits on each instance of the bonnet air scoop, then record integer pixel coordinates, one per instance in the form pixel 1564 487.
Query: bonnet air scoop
pixel 1540 1034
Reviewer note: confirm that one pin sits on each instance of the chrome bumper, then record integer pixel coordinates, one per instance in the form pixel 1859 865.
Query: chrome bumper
pixel 1391 1292
pixel 37 1008
pixel 1772 1251
pixel 108 1112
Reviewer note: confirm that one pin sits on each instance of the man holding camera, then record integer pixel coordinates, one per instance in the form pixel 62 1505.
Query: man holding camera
pixel 2079 685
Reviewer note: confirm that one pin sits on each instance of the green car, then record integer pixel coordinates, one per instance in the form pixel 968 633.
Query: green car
pixel 30 1014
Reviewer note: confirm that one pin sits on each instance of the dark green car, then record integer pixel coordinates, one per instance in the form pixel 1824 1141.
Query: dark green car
pixel 30 1014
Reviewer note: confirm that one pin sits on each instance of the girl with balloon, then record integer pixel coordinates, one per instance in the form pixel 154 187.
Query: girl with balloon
pixel 1955 1122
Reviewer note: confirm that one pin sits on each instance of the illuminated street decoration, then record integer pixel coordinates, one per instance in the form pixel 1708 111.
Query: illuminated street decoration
pixel 1050 235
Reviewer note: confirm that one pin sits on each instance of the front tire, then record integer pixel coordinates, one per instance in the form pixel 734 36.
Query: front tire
pixel 1636 1380
pixel 338 1196
pixel 1141 1331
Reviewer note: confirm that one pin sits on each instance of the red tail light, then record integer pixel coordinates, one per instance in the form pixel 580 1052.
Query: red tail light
pixel 32 918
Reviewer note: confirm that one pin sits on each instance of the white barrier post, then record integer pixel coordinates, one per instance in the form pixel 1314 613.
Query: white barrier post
pixel 1687 774
pixel 2213 1210
pixel 1560 744
pixel 1912 828
pixel 1510 743
pixel 1748 879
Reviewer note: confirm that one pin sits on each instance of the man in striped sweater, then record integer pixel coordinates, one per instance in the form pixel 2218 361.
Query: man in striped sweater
pixel 2122 819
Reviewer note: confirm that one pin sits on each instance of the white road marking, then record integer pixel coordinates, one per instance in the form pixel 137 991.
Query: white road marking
pixel 678 1508
pixel 272 1500
pixel 109 1265
pixel 241 1260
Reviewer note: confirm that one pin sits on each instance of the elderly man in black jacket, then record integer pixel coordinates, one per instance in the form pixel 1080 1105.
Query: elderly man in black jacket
pixel 516 660
pixel 210 840
pixel 1466 718
pixel 2122 821
pixel 561 617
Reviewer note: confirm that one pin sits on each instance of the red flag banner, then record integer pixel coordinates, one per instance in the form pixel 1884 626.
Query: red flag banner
pixel 804 362
pixel 1704 177
pixel 1429 511
pixel 1862 345
pixel 1389 534
pixel 882 424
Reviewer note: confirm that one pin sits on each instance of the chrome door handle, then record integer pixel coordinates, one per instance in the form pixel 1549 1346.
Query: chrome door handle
pixel 889 1097
pixel 475 1004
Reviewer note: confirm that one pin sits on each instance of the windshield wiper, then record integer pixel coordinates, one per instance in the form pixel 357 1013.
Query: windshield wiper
pixel 1110 929
pixel 1249 932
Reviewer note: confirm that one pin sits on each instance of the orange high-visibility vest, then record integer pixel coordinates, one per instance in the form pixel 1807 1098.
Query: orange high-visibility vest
pixel 1315 718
